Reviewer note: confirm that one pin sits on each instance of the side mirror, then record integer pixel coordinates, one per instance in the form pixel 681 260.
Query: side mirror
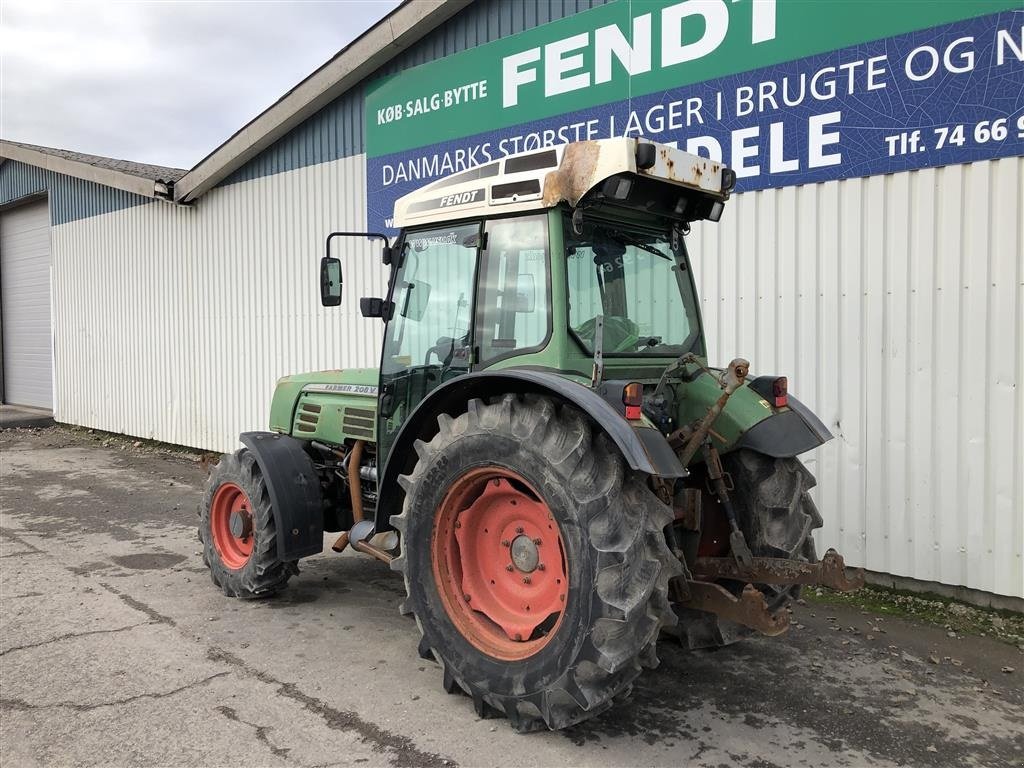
pixel 371 306
pixel 526 293
pixel 330 281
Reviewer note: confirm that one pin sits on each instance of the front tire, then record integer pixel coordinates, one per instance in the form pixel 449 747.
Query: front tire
pixel 545 647
pixel 238 531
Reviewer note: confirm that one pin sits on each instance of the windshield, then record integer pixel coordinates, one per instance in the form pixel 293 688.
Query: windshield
pixel 637 282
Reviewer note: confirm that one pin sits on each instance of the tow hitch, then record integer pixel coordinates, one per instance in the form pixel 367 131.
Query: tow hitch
pixel 750 609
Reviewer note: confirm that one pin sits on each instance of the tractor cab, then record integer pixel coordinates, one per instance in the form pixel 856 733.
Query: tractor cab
pixel 571 259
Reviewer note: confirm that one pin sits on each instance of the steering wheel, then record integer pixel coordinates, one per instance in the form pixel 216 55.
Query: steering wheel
pixel 620 333
pixel 444 349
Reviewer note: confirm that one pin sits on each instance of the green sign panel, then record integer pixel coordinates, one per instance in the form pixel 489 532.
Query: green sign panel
pixel 783 91
pixel 626 49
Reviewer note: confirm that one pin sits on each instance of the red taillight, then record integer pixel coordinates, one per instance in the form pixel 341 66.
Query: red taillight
pixel 633 399
pixel 780 391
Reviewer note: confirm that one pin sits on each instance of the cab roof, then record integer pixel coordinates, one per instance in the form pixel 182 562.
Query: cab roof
pixel 563 174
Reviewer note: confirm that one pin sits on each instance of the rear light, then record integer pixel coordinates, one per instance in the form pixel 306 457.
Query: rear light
pixel 780 391
pixel 633 399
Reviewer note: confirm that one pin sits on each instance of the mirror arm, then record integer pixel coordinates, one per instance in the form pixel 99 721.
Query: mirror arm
pixel 367 235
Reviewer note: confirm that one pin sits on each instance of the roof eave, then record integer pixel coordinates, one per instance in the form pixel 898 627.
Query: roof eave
pixel 367 53
pixel 110 178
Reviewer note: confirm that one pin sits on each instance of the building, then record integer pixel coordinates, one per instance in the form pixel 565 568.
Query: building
pixel 874 253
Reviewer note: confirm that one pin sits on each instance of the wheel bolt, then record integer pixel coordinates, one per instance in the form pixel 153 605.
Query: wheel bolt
pixel 506 543
pixel 526 579
pixel 518 636
pixel 508 567
pixel 466 598
pixel 537 542
pixel 519 530
pixel 458 524
pixel 540 566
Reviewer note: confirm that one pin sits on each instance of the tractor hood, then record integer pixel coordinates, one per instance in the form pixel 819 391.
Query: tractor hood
pixel 330 406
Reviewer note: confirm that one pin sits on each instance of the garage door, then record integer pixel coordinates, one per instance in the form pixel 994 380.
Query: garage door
pixel 25 305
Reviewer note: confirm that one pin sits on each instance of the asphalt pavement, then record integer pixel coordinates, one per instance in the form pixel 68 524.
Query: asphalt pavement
pixel 115 649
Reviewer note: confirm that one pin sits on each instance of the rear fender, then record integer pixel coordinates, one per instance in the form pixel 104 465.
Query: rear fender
pixel 294 490
pixel 644 448
pixel 787 433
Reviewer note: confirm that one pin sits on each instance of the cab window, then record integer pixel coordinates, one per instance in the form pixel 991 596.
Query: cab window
pixel 514 305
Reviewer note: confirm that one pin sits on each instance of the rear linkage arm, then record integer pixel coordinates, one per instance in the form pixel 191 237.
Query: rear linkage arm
pixel 731 380
pixel 830 571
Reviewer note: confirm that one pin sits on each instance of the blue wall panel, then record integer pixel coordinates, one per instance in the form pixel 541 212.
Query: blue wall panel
pixel 70 198
pixel 337 130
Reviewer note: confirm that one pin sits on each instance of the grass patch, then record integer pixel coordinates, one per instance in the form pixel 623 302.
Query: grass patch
pixel 938 611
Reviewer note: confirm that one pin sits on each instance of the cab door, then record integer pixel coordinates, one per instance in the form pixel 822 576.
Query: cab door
pixel 428 339
pixel 513 316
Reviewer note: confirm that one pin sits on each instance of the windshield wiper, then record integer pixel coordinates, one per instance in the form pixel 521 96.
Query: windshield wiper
pixel 629 240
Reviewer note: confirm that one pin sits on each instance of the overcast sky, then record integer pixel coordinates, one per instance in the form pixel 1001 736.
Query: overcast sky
pixel 160 82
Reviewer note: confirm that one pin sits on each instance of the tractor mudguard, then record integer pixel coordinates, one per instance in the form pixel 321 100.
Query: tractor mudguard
pixel 644 449
pixel 786 434
pixel 294 492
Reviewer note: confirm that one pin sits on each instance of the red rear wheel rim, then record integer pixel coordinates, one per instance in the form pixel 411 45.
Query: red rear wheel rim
pixel 499 563
pixel 231 525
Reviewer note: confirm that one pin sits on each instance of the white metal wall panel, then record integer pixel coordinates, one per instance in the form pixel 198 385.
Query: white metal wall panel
pixel 25 305
pixel 174 323
pixel 896 306
pixel 894 303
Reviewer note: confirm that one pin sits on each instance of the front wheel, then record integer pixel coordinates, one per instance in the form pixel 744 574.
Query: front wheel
pixel 238 531
pixel 535 564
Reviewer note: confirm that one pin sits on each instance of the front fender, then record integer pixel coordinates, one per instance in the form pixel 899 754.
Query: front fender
pixel 294 490
pixel 644 448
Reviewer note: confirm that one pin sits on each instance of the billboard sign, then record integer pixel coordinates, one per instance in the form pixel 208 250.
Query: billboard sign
pixel 784 92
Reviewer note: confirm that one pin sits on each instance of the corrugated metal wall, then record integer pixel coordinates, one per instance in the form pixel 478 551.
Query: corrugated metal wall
pixel 896 306
pixel 174 323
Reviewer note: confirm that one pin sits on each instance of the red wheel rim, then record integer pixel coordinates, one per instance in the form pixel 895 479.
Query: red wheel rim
pixel 231 525
pixel 499 563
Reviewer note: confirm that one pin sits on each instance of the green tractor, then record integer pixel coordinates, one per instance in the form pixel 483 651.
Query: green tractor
pixel 544 454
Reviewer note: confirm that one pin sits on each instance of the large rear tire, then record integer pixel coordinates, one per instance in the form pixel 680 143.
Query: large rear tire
pixel 238 531
pixel 777 516
pixel 490 482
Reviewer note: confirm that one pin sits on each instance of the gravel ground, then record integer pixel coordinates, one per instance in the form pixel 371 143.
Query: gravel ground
pixel 115 649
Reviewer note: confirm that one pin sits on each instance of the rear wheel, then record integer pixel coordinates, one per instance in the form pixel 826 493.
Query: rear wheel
pixel 777 515
pixel 536 567
pixel 237 530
